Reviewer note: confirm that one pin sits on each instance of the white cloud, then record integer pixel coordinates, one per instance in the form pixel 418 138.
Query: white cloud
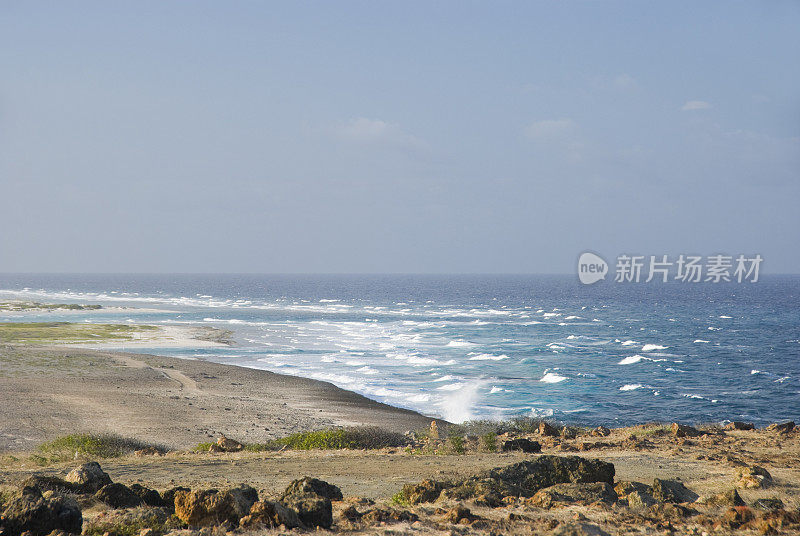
pixel 362 130
pixel 695 105
pixel 549 129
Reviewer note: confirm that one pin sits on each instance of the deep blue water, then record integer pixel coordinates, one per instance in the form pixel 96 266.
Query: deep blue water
pixel 466 347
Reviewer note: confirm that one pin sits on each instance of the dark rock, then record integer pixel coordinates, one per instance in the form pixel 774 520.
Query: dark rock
pixel 522 444
pixel 570 493
pixel 639 499
pixel 169 495
pixel 312 509
pixel 51 483
pixel 781 428
pixel 39 516
pixel 601 431
pixel 118 496
pixel 769 503
pixel 546 429
pixel 150 497
pixel 671 511
pixel 525 478
pixel 569 433
pixel 682 430
pixel 89 476
pixel 270 514
pixel 672 491
pixel 313 485
pixel 739 425
pixel 578 529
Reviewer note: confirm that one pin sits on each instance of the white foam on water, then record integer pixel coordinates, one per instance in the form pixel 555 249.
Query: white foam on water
pixel 458 407
pixel 450 387
pixel 571 317
pixel 651 347
pixel 496 390
pixel 701 341
pixel 445 378
pixel 631 387
pixel 552 377
pixel 488 357
pixel 630 360
pixel 572 337
pixel 725 316
pixel 460 344
pixel 629 343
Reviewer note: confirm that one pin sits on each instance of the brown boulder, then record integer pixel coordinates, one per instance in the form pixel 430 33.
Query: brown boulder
pixel 547 429
pixel 682 430
pixel 781 428
pixel 270 514
pixel 89 476
pixel 571 493
pixel 739 425
pixel 754 477
pixel 671 491
pixel 226 444
pixel 210 507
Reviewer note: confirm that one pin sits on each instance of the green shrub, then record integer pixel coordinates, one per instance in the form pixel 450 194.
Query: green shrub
pixel 489 441
pixel 457 444
pixel 91 446
pixel 332 439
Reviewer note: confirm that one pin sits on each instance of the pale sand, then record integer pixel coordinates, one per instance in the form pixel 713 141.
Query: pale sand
pixel 53 391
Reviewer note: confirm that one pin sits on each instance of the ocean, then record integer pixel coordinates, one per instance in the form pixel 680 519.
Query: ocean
pixel 467 347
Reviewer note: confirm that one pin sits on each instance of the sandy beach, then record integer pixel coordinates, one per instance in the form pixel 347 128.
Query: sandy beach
pixel 175 402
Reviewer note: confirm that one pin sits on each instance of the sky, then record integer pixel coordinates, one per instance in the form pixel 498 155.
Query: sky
pixel 395 137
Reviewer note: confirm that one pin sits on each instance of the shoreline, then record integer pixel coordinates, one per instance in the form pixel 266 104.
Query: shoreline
pixel 51 391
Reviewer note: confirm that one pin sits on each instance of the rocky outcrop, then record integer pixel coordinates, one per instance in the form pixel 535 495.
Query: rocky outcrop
pixel 672 491
pixel 682 430
pixel 33 513
pixel 781 428
pixel 89 476
pixel 753 477
pixel 727 498
pixel 118 496
pixel 312 509
pixel 210 507
pixel 226 444
pixel 739 425
pixel 521 444
pixel 307 484
pixel 270 514
pixel 571 493
pixel 521 479
pixel 150 497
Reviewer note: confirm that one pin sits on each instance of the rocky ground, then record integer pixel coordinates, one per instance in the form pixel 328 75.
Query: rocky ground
pixel 555 480
pixel 525 478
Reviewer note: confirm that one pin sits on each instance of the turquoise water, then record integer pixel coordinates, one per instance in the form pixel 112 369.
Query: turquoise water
pixel 467 347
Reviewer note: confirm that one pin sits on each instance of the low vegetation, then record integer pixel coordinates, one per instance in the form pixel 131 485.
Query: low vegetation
pixel 36 306
pixel 90 446
pixel 358 438
pixel 67 332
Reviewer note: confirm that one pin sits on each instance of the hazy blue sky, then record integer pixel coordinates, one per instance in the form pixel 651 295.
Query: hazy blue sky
pixel 395 137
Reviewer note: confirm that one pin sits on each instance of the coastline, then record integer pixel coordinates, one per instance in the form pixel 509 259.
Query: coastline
pixel 52 390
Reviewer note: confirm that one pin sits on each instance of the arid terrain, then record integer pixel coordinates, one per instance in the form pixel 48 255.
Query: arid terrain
pixel 189 446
